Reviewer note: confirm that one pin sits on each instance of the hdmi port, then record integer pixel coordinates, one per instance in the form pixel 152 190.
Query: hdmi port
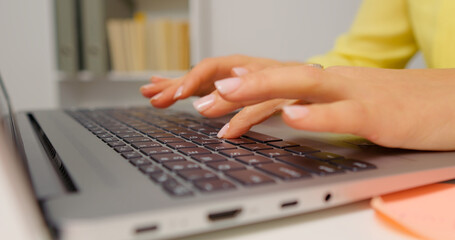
pixel 224 215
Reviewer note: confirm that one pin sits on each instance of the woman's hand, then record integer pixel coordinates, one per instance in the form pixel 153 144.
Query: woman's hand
pixel 410 109
pixel 199 82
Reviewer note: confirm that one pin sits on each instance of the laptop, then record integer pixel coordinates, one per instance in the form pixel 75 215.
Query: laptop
pixel 144 173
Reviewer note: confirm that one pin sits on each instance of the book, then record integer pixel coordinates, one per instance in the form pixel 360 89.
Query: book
pixel 67 36
pixel 94 36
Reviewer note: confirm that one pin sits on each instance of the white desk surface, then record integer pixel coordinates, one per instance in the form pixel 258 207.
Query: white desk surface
pixel 353 221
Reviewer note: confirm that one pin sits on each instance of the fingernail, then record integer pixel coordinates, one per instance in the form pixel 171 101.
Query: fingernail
pixel 179 92
pixel 204 102
pixel 295 112
pixel 227 85
pixel 223 130
pixel 239 71
pixel 157 96
pixel 147 87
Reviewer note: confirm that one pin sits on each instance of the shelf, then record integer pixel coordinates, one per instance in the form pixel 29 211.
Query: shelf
pixel 142 76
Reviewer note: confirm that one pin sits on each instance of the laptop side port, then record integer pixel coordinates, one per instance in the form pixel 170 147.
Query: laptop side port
pixel 289 204
pixel 224 214
pixel 145 229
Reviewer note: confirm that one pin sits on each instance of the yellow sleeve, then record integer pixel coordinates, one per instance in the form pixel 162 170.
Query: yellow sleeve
pixel 381 36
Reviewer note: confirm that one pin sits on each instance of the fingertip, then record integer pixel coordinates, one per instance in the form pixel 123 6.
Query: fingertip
pixel 178 93
pixel 239 71
pixel 295 112
pixel 223 131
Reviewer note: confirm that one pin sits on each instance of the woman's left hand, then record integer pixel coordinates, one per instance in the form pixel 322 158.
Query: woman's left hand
pixel 412 108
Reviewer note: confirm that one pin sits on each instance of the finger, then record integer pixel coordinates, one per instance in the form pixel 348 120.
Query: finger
pixel 339 117
pixel 252 115
pixel 213 105
pixel 292 82
pixel 165 98
pixel 151 89
pixel 156 79
pixel 199 81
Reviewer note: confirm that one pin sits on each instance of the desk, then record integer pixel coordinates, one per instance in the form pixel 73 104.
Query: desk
pixel 353 221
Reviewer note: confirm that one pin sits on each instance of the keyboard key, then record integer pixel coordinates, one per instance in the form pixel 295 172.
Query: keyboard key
pixel 161 177
pixel 212 123
pixel 179 145
pixel 116 144
pixel 150 169
pixel 182 165
pixel 256 146
pixel 352 164
pixel 252 160
pixel 168 157
pixel 206 140
pixel 192 136
pixel 208 158
pixel 274 152
pixel 239 141
pixel 150 144
pixel 128 135
pixel 140 161
pixel 110 139
pixel 301 150
pixel 259 137
pixel 283 144
pixel 312 165
pixel 136 139
pixel 176 189
pixel 225 165
pixel 155 150
pixel 122 149
pixel 283 171
pixel 220 146
pixel 170 140
pixel 194 151
pixel 213 185
pixel 250 177
pixel 160 135
pixel 209 131
pixel 130 155
pixel 196 174
pixel 236 152
pixel 324 156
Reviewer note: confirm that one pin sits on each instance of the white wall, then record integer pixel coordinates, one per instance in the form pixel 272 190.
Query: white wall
pixel 280 29
pixel 27 52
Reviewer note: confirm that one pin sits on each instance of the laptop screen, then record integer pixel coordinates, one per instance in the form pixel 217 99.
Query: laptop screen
pixel 6 117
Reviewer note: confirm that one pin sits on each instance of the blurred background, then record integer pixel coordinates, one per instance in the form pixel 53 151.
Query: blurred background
pixel 88 53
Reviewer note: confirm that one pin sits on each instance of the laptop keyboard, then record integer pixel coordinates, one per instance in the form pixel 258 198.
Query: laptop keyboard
pixel 182 153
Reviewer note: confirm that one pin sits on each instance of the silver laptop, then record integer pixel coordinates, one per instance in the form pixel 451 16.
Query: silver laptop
pixel 143 173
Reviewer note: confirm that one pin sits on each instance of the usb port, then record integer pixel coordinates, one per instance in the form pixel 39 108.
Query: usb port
pixel 224 214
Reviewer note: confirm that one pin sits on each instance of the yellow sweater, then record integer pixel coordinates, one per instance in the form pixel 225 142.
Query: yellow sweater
pixel 387 33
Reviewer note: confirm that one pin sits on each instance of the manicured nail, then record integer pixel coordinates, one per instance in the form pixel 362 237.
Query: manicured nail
pixel 239 71
pixel 179 92
pixel 227 85
pixel 147 87
pixel 295 112
pixel 157 96
pixel 223 131
pixel 204 102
